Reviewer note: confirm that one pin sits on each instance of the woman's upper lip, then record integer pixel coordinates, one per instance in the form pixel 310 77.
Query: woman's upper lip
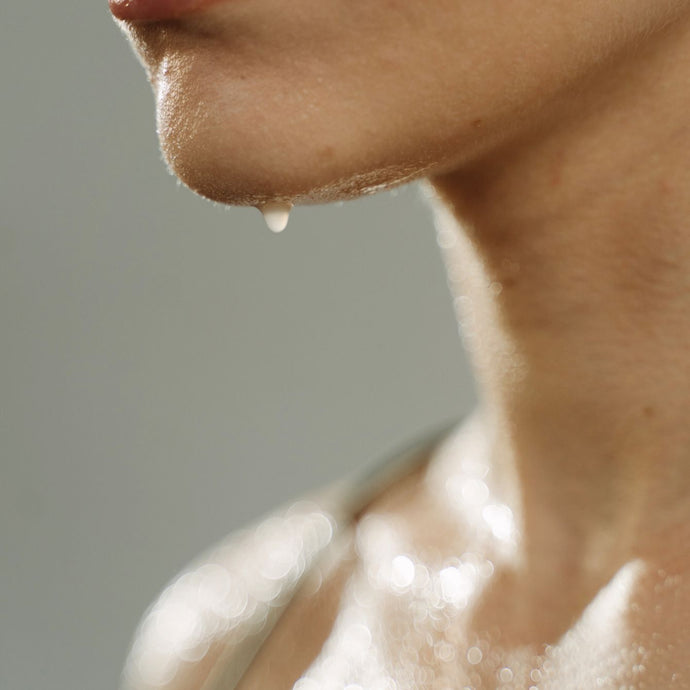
pixel 155 10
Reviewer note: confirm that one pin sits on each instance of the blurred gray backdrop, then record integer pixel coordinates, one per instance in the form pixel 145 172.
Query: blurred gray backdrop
pixel 169 369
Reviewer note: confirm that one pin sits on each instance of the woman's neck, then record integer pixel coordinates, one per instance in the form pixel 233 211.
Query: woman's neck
pixel 569 256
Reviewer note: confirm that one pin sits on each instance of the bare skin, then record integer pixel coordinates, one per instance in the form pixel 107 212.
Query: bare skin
pixel 573 256
pixel 564 220
pixel 312 101
pixel 570 256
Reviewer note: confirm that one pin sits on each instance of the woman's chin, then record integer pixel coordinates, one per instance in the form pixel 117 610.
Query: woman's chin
pixel 230 141
pixel 238 184
pixel 234 176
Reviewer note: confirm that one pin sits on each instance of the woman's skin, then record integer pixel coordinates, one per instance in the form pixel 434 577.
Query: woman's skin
pixel 555 136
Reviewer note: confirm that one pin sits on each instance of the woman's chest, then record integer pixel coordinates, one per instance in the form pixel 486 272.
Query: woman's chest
pixel 423 607
pixel 428 630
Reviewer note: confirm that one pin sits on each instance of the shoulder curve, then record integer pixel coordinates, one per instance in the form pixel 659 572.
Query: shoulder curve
pixel 219 609
pixel 209 622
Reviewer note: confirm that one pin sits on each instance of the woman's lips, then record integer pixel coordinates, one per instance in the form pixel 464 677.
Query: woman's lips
pixel 155 10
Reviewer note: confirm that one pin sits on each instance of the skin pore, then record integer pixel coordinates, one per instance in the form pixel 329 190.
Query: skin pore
pixel 555 140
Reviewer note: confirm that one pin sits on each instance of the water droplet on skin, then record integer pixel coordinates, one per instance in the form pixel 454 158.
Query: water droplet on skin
pixel 402 572
pixel 474 655
pixel 276 214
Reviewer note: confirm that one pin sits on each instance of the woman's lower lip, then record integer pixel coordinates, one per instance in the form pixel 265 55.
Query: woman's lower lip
pixel 155 10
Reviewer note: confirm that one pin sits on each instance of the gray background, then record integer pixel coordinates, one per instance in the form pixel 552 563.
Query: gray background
pixel 169 369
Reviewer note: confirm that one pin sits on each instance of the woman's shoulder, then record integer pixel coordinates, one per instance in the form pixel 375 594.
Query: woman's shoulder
pixel 217 612
pixel 209 623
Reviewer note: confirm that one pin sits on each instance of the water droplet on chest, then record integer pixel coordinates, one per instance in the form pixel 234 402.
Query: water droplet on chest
pixel 276 214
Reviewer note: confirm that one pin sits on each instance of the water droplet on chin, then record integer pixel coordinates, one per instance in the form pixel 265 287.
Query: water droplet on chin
pixel 276 214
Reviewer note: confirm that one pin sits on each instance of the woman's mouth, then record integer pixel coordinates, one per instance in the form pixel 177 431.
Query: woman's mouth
pixel 156 10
